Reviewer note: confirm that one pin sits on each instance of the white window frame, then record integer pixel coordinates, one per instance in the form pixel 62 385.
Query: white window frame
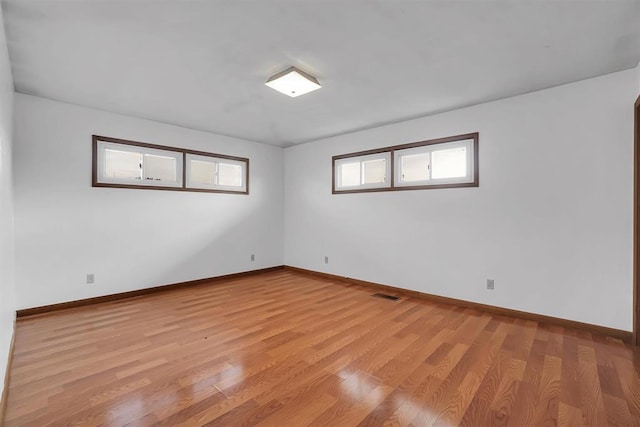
pixel 102 146
pixel 362 159
pixel 216 160
pixel 429 149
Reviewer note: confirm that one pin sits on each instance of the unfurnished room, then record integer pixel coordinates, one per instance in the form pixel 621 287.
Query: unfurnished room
pixel 320 213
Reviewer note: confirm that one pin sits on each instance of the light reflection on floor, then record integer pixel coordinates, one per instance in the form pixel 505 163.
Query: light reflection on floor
pixel 132 409
pixel 229 376
pixel 362 387
pixel 417 413
pixel 369 391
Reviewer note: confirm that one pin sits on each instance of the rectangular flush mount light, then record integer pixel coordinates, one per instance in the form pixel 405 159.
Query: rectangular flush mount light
pixel 293 82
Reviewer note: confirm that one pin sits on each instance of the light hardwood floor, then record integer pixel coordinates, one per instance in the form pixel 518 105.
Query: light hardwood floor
pixel 287 349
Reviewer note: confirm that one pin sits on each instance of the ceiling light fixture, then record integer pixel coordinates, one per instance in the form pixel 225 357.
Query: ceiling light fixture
pixel 293 82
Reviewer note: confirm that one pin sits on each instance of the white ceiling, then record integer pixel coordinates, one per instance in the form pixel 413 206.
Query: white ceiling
pixel 202 64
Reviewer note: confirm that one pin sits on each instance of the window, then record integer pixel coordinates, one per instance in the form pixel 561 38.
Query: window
pixel 208 172
pixel 445 163
pixel 439 163
pixel 362 172
pixel 129 164
pixel 122 164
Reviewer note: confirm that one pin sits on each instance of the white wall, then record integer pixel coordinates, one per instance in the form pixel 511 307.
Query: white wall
pixel 551 221
pixel 130 239
pixel 7 301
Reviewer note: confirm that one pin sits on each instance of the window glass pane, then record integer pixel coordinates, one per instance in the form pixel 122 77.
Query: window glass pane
pixel 451 163
pixel 349 174
pixel 202 172
pixel 414 167
pixel 214 173
pixel 159 168
pixel 122 164
pixel 374 171
pixel 229 175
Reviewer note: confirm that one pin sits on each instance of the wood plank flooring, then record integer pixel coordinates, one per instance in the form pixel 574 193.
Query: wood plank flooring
pixel 287 349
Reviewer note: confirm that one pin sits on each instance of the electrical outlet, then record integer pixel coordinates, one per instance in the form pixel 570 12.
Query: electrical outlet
pixel 253 257
pixel 326 260
pixel 90 278
pixel 490 284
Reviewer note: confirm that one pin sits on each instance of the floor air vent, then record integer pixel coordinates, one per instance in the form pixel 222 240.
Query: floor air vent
pixel 385 296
